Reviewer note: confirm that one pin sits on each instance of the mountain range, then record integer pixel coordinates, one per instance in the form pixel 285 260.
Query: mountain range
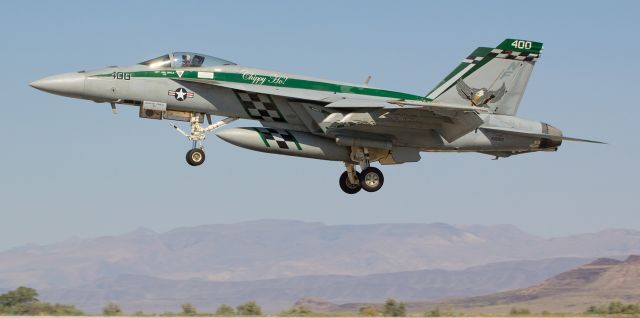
pixel 280 261
pixel 596 283
pixel 135 292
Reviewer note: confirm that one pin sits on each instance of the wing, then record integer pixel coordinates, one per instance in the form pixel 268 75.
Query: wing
pixel 354 115
pixel 333 101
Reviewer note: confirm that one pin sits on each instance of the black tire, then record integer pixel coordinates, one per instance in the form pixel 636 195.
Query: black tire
pixel 371 179
pixel 347 186
pixel 195 157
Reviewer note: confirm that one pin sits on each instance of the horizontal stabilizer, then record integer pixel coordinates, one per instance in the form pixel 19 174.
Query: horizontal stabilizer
pixel 540 135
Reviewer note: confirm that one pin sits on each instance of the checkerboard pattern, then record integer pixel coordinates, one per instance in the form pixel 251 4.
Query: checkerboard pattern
pixel 514 55
pixel 260 106
pixel 471 59
pixel 279 138
pixel 503 54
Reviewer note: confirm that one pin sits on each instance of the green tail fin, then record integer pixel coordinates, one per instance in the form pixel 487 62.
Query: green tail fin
pixel 491 77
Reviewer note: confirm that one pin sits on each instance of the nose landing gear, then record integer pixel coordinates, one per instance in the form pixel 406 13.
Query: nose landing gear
pixel 195 156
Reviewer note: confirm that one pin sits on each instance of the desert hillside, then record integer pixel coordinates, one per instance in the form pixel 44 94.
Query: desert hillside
pixel 595 283
pixel 598 282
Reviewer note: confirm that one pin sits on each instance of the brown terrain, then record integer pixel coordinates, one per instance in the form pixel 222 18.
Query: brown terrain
pixel 599 282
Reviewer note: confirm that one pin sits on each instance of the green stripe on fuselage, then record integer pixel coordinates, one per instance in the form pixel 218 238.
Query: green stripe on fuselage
pixel 277 81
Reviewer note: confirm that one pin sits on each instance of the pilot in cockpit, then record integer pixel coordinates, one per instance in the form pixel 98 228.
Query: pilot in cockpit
pixel 186 61
pixel 197 60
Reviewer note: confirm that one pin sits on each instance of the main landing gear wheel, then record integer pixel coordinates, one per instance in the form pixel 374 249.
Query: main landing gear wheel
pixel 195 156
pixel 371 179
pixel 347 186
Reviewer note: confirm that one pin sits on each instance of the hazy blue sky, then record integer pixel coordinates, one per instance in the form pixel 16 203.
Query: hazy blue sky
pixel 70 168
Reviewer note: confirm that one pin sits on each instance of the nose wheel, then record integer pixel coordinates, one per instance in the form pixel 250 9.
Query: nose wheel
pixel 195 156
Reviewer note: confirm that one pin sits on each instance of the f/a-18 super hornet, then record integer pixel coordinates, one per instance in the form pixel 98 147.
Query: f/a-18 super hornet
pixel 473 109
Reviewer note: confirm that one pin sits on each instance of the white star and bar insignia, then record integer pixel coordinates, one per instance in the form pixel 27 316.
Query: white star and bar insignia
pixel 181 94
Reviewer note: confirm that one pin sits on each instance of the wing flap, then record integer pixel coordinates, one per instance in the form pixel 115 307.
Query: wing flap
pixel 389 121
pixel 447 110
pixel 438 106
pixel 459 126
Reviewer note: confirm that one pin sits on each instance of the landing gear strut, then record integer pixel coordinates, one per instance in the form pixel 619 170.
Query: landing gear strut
pixel 195 156
pixel 350 180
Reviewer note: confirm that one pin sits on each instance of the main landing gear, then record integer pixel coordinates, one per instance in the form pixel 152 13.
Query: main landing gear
pixel 370 179
pixel 195 156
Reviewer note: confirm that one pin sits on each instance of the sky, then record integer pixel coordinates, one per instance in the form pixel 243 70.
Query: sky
pixel 69 168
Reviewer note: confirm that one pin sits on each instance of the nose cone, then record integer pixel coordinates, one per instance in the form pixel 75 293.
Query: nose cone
pixel 69 84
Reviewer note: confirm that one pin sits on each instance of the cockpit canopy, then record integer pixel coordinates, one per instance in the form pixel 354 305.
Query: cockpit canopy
pixel 185 59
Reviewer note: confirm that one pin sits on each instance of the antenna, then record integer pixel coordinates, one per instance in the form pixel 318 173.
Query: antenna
pixel 366 82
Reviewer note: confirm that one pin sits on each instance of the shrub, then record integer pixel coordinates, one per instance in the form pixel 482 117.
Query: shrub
pixel 225 310
pixel 433 313
pixel 392 308
pixel 111 309
pixel 614 308
pixel 22 295
pixel 189 310
pixel 369 311
pixel 515 311
pixel 24 301
pixel 438 312
pixel 249 308
pixel 296 311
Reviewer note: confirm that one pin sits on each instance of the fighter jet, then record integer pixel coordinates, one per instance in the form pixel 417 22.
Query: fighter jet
pixel 473 109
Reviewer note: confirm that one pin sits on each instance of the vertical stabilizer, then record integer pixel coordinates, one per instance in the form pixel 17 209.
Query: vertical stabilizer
pixel 491 77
